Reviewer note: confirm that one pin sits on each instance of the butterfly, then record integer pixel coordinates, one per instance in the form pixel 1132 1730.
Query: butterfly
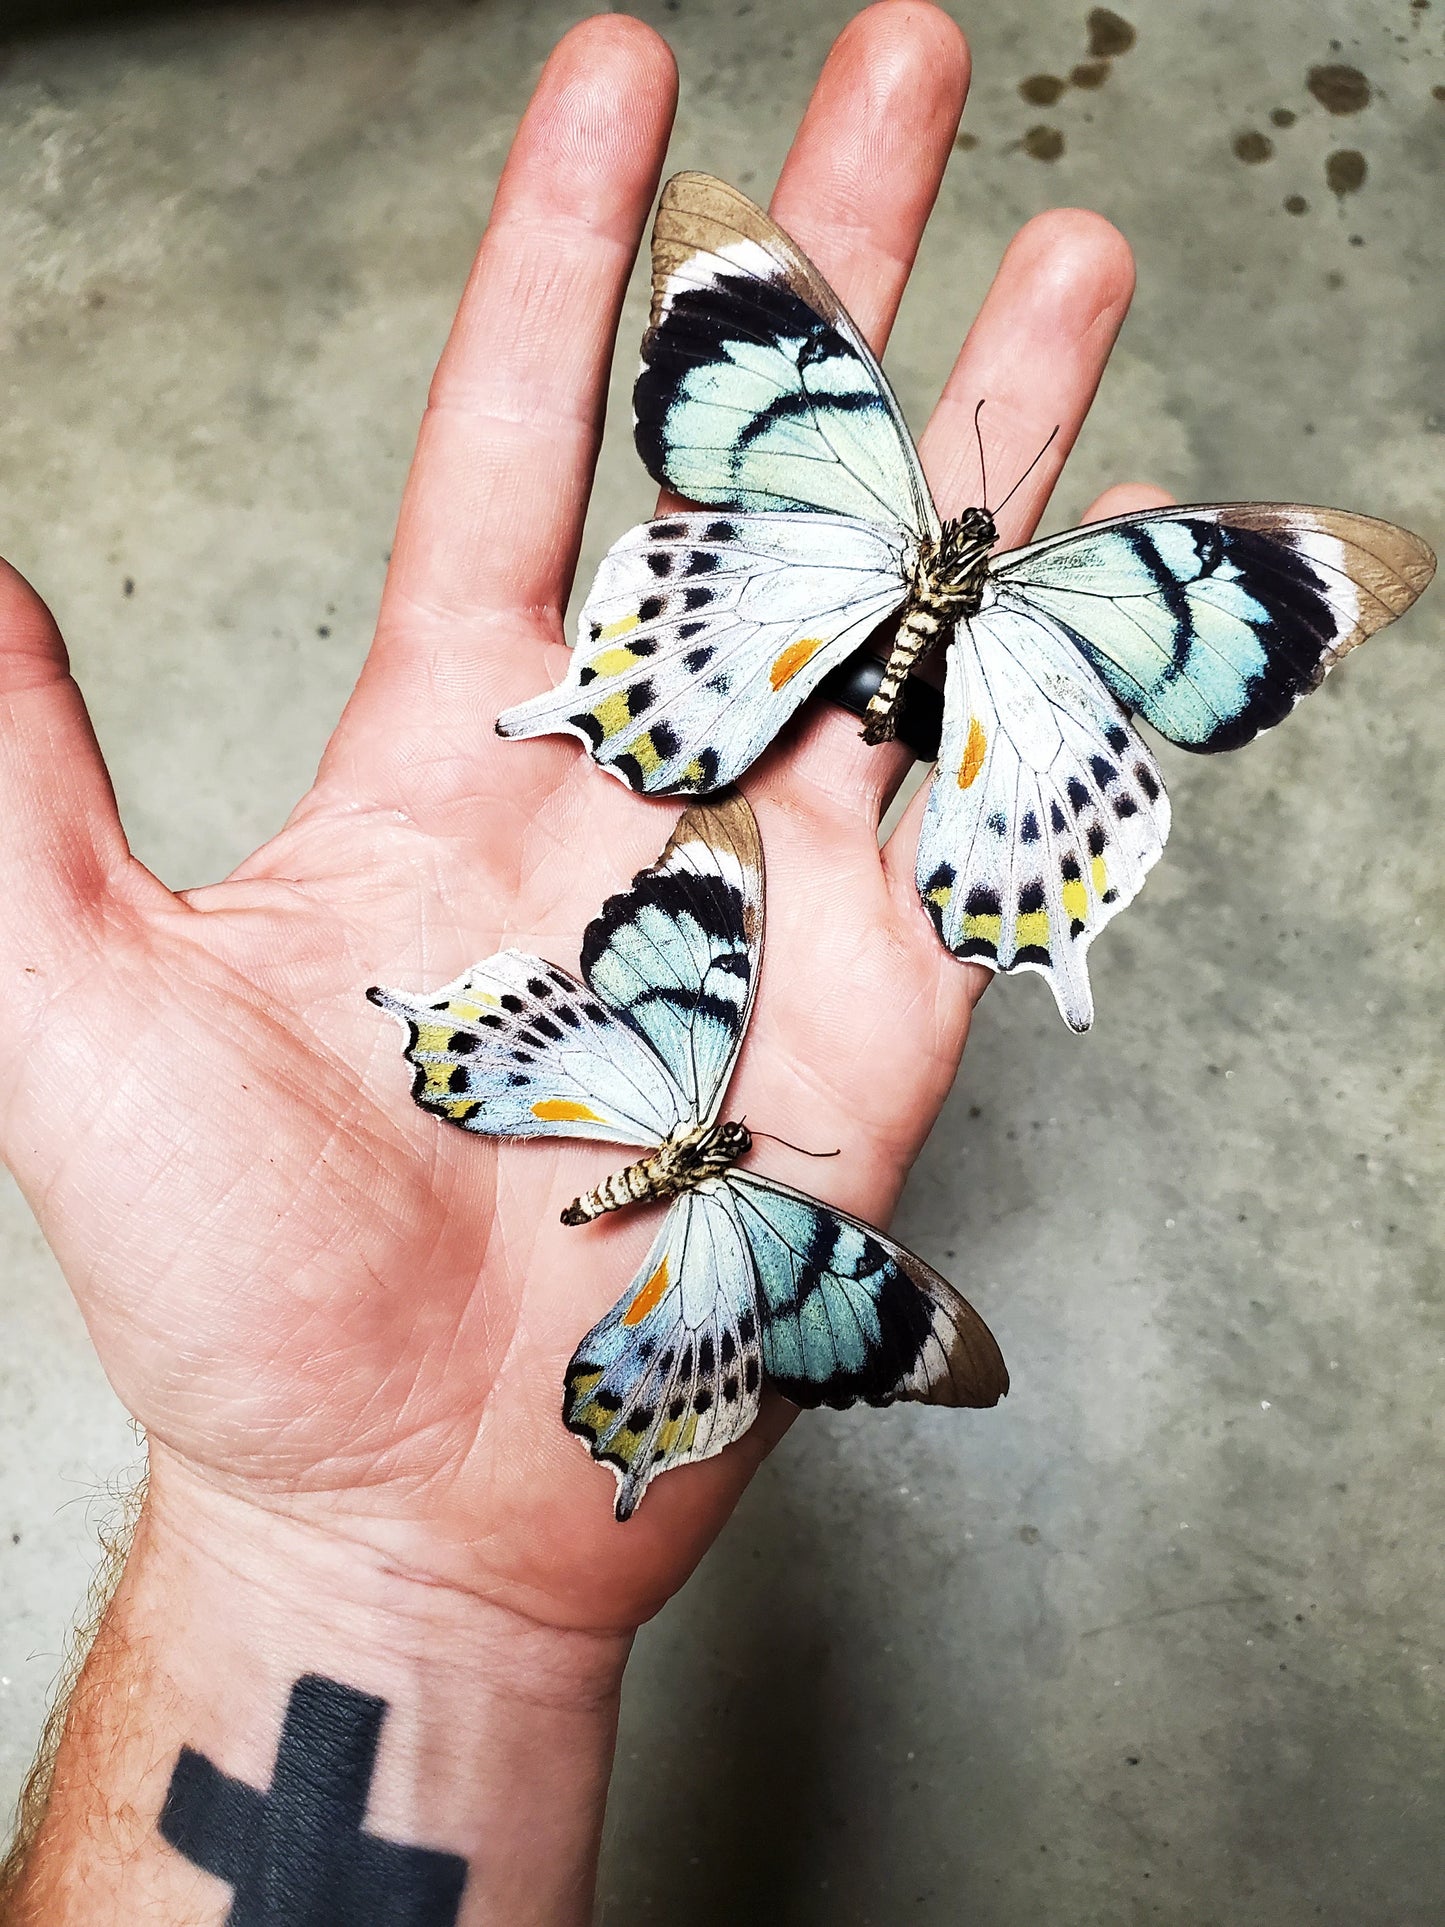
pixel 705 631
pixel 748 1282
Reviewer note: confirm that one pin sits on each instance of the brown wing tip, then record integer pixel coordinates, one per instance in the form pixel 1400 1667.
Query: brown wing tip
pixel 723 819
pixel 980 1375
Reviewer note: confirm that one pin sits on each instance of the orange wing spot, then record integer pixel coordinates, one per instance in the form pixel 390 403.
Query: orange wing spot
pixel 793 658
pixel 563 1110
pixel 647 1299
pixel 974 752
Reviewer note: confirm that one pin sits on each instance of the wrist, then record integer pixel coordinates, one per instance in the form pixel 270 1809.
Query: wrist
pixel 268 1701
pixel 286 1583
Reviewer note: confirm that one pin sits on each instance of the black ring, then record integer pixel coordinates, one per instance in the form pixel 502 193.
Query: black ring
pixel 920 705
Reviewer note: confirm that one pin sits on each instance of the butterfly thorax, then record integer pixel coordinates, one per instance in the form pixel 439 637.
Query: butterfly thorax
pixel 945 579
pixel 681 1164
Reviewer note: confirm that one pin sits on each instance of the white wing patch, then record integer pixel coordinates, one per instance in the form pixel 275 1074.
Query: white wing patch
pixel 703 634
pixel 1046 811
pixel 518 1048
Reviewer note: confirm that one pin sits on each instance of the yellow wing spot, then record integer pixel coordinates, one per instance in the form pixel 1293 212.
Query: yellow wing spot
pixel 584 1384
pixel 794 657
pixel 464 1108
pixel 1076 902
pixel 1032 928
pixel 1100 876
pixel 614 712
pixel 942 895
pixel 694 775
pixel 986 929
pixel 623 626
pixel 614 662
pixel 974 751
pixel 645 753
pixel 648 1298
pixel 470 1008
pixel 433 1037
pixel 564 1110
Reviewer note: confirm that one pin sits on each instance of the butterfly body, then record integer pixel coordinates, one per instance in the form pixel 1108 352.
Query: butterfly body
pixel 684 1162
pixel 945 581
pixel 748 1282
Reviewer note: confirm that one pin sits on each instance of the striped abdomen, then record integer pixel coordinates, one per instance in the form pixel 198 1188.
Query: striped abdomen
pixel 917 633
pixel 636 1185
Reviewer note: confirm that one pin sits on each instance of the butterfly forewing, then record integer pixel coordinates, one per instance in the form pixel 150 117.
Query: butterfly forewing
pixel 757 389
pixel 518 1048
pixel 1212 621
pixel 677 954
pixel 702 634
pixel 847 1315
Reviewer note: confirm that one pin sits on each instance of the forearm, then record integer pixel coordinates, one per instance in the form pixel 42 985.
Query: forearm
pixel 242 1678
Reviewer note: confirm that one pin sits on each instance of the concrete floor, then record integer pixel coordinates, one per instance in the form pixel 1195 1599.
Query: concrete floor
pixel 1161 1640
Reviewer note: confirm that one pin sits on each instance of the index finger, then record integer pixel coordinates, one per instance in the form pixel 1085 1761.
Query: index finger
pixel 492 514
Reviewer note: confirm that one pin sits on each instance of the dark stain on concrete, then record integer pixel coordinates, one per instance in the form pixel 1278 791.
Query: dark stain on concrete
pixel 1042 90
pixel 1296 204
pixel 1345 171
pixel 1044 143
pixel 1438 92
pixel 1109 34
pixel 1252 147
pixel 1283 116
pixel 1089 74
pixel 964 143
pixel 1340 90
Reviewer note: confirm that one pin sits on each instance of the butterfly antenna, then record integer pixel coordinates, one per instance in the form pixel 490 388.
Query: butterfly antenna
pixel 1027 472
pixel 978 437
pixel 798 1147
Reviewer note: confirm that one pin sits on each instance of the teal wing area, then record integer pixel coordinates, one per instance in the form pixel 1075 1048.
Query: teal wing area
pixel 677 953
pixel 848 1315
pixel 757 390
pixel 1212 621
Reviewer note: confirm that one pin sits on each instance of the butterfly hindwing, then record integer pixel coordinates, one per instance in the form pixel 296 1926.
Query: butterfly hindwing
pixel 701 636
pixel 1046 810
pixel 518 1048
pixel 848 1315
pixel 672 1374
pixel 1212 621
pixel 757 390
pixel 677 953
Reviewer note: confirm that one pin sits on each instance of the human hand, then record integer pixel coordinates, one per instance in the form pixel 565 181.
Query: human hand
pixel 324 1309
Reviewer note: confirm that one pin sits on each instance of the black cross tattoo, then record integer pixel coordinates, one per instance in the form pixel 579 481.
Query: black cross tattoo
pixel 297 1856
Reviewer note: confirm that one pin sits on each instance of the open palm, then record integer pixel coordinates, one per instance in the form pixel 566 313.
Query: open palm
pixel 312 1296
